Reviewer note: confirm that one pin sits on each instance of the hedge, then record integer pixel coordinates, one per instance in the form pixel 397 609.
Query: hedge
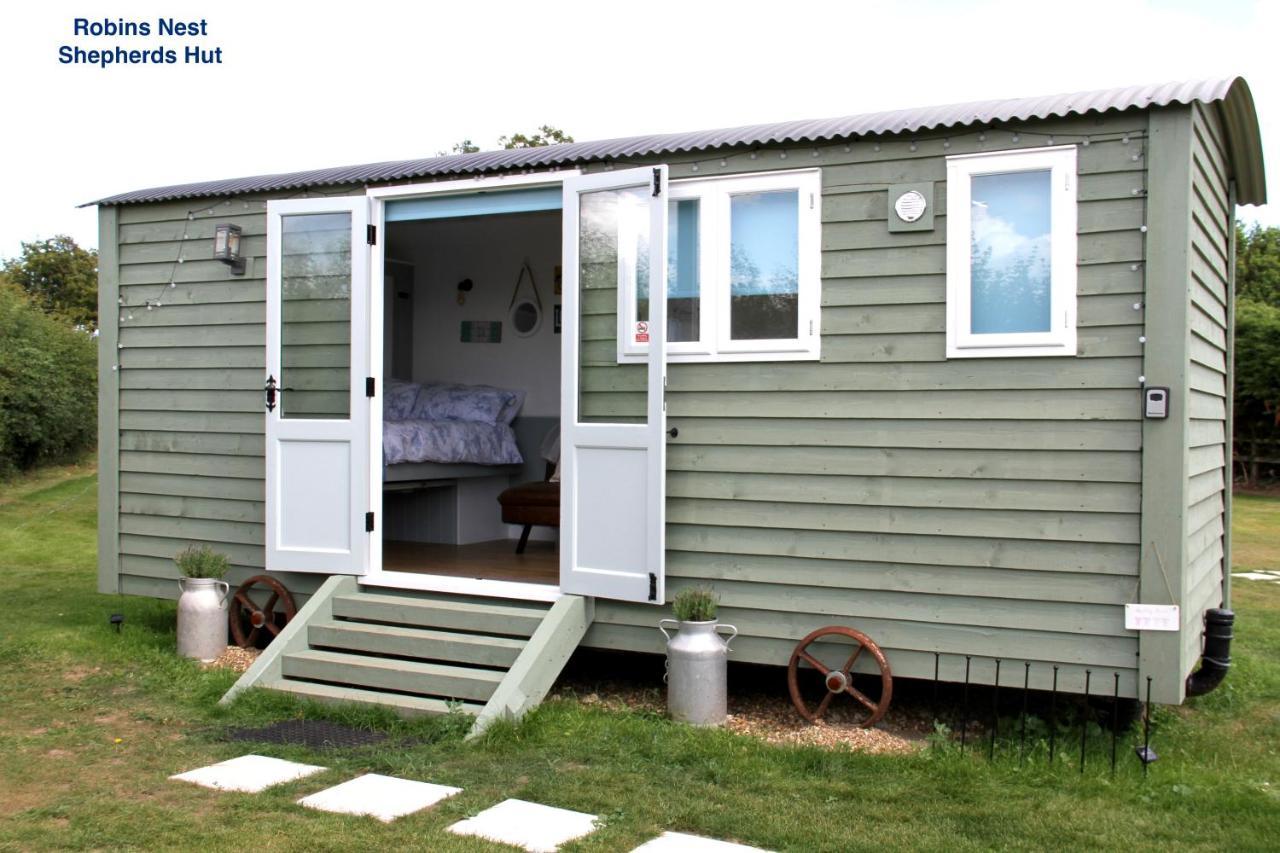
pixel 48 386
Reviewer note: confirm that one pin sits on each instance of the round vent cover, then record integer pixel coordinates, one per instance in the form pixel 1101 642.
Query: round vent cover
pixel 910 206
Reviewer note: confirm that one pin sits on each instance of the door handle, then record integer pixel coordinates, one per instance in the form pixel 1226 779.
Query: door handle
pixel 272 390
pixel 673 432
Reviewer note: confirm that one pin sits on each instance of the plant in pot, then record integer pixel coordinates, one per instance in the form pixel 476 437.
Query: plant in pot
pixel 697 656
pixel 202 604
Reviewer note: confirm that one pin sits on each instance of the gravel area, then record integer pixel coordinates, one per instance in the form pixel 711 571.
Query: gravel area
pixel 769 718
pixel 235 659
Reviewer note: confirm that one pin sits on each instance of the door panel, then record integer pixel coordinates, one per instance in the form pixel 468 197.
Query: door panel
pixel 613 425
pixel 318 417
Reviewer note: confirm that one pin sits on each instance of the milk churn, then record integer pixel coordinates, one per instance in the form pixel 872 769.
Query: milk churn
pixel 202 618
pixel 696 671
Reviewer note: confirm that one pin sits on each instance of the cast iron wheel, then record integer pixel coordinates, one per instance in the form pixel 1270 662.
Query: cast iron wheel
pixel 249 621
pixel 839 680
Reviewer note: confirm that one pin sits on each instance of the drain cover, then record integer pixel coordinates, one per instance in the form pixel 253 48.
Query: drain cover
pixel 316 734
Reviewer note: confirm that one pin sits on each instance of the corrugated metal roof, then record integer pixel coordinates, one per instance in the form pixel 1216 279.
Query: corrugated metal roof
pixel 1230 94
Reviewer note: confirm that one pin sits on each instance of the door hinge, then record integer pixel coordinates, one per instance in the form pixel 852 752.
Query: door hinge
pixel 369 386
pixel 657 182
pixel 368 522
pixel 653 587
pixel 371 234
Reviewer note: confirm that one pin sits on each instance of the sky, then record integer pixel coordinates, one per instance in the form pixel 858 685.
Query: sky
pixel 326 84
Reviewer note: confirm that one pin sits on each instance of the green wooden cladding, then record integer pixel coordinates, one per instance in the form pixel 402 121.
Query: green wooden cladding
pixel 992 508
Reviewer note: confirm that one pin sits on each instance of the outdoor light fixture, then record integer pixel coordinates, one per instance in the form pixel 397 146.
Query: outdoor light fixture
pixel 226 247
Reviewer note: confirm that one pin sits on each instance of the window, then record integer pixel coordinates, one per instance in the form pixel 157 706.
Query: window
pixel 1011 253
pixel 743 271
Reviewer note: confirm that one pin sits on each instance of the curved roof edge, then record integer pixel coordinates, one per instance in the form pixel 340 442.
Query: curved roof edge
pixel 1244 137
pixel 1231 95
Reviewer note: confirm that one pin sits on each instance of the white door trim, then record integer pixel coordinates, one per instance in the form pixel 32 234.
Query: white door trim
pixel 600 553
pixel 424 581
pixel 352 431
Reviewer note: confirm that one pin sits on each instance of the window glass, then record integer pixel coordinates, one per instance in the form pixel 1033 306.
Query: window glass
pixel 613 247
pixel 683 286
pixel 315 316
pixel 1010 252
pixel 684 289
pixel 764 265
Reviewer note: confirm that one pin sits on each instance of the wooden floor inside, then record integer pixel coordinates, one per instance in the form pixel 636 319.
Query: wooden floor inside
pixel 496 560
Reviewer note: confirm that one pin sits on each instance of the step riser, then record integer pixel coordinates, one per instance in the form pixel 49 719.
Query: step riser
pixel 405 706
pixel 479 651
pixel 425 615
pixel 388 678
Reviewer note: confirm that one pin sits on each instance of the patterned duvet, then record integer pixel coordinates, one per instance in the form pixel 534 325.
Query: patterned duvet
pixel 449 441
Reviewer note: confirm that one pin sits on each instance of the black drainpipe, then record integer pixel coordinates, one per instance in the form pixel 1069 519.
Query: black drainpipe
pixel 1216 658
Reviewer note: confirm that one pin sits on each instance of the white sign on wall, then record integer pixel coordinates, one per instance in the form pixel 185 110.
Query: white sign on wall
pixel 1151 617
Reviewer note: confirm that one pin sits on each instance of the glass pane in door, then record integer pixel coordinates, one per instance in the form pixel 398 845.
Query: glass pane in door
pixel 315 316
pixel 613 248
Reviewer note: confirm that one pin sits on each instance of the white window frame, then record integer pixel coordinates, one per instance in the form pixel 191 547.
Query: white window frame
pixel 714 230
pixel 1060 340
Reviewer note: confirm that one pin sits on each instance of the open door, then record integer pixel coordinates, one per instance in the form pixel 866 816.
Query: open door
pixel 318 414
pixel 613 421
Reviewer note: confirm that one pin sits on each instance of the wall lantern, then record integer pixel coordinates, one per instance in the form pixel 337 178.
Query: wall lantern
pixel 226 247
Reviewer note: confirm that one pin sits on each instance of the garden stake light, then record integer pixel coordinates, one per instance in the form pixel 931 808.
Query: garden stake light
pixel 1053 715
pixel 995 714
pixel 964 706
pixel 1145 753
pixel 1115 722
pixel 1084 719
pixel 117 619
pixel 1022 738
pixel 935 686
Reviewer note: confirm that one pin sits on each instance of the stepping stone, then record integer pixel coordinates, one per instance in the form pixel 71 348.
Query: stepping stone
pixel 1257 576
pixel 678 842
pixel 536 828
pixel 248 773
pixel 383 797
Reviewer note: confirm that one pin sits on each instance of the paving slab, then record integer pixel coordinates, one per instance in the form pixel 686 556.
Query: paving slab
pixel 383 797
pixel 679 842
pixel 534 827
pixel 248 773
pixel 1257 576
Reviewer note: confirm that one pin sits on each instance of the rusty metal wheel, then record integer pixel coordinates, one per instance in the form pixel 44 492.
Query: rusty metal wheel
pixel 249 622
pixel 838 680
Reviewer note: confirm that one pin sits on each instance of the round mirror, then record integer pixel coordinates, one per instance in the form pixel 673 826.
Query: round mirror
pixel 526 317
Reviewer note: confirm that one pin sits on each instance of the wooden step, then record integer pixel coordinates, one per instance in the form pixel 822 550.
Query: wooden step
pixel 487 616
pixel 406 705
pixel 424 643
pixel 424 679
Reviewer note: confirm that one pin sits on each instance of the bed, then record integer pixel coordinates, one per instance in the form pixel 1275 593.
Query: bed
pixel 446 431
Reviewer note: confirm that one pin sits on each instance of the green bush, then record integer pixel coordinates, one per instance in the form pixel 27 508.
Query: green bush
pixel 201 562
pixel 698 604
pixel 48 386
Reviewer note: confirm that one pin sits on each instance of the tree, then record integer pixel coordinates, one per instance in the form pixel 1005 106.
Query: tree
pixel 1258 263
pixel 545 135
pixel 1257 384
pixel 1257 347
pixel 60 278
pixel 466 146
pixel 48 385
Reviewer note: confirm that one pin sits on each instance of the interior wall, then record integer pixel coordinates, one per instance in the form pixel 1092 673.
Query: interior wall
pixel 489 251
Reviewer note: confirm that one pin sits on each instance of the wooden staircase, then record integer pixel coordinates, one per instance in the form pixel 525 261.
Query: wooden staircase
pixel 421 653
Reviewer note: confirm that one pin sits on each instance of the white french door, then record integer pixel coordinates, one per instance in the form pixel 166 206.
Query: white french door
pixel 317 410
pixel 613 421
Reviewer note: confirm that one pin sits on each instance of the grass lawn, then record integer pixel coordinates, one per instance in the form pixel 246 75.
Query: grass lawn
pixel 92 722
